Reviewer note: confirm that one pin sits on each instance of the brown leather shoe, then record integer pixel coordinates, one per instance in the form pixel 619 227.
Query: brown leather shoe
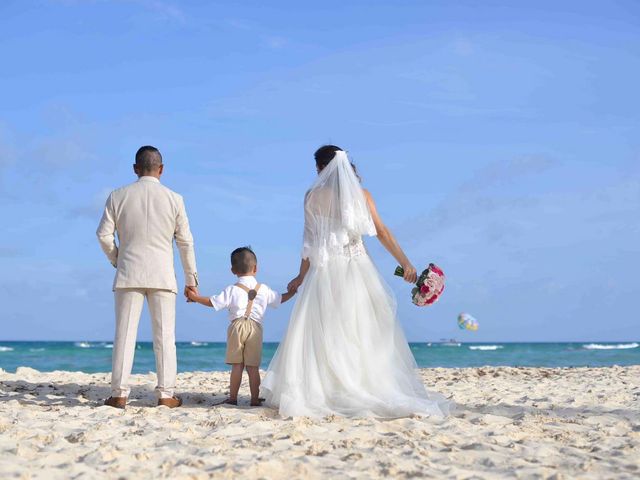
pixel 116 402
pixel 172 402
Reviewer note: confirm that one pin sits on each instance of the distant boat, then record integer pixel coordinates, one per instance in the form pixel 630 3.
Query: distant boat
pixel 444 342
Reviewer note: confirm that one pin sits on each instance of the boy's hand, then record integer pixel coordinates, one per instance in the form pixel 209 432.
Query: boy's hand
pixel 289 295
pixel 193 296
pixel 294 284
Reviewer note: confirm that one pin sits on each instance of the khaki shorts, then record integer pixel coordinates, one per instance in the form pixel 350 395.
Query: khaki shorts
pixel 244 342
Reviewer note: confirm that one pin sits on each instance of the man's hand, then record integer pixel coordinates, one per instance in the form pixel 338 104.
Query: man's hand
pixel 191 291
pixel 191 295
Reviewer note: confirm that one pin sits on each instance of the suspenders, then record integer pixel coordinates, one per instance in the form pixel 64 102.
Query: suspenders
pixel 252 295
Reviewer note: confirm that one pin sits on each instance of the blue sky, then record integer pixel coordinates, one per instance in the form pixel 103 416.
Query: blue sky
pixel 500 140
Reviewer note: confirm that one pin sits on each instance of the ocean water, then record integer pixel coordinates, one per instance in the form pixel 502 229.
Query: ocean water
pixel 94 357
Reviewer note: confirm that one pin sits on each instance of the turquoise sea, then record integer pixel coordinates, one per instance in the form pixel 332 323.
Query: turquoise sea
pixel 93 357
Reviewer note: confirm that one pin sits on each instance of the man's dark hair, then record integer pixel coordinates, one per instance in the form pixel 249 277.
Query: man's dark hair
pixel 148 159
pixel 243 260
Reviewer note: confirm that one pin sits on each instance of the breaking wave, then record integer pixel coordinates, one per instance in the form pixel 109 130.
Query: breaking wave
pixel 618 346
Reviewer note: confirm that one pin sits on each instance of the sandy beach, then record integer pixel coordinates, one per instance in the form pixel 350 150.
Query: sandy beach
pixel 509 423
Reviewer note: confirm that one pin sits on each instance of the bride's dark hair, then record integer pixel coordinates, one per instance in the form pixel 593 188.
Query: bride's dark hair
pixel 325 154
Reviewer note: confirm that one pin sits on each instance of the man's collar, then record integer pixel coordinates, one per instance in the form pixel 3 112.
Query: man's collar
pixel 148 178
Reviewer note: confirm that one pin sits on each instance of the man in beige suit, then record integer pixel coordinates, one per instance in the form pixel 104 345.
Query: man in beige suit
pixel 147 216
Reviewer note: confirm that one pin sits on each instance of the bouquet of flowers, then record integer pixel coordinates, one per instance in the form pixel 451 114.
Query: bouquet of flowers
pixel 429 286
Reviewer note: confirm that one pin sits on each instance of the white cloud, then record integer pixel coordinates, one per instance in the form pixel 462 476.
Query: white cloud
pixel 266 38
pixel 8 152
pixel 238 24
pixel 60 153
pixel 94 206
pixel 275 42
pixel 9 251
pixel 163 10
pixel 440 84
pixel 463 47
pixel 503 171
pixel 160 9
pixel 465 110
pixel 471 200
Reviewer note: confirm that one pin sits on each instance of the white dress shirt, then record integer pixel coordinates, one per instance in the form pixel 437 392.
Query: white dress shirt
pixel 236 299
pixel 147 217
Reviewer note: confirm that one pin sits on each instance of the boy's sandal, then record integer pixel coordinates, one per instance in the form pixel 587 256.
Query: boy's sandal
pixel 228 401
pixel 258 403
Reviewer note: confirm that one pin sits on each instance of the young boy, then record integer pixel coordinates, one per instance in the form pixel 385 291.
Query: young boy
pixel 246 302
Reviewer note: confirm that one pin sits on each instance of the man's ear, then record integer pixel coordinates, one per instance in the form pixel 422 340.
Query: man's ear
pixel 135 169
pixel 255 269
pixel 160 170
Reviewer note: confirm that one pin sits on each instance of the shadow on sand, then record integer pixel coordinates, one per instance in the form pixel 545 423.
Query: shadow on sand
pixel 51 394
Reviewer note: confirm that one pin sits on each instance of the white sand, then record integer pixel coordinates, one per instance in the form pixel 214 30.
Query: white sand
pixel 510 423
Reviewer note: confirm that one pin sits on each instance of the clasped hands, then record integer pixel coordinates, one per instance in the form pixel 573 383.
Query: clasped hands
pixel 190 292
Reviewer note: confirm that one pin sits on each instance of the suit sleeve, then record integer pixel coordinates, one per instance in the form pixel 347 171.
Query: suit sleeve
pixel 184 241
pixel 107 232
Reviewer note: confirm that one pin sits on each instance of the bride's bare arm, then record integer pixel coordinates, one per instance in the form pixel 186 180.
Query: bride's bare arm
pixel 296 282
pixel 388 241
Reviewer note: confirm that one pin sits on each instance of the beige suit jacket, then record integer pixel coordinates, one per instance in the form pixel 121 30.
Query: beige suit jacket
pixel 147 216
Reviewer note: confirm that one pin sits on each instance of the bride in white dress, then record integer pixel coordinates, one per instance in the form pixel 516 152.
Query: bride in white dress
pixel 344 352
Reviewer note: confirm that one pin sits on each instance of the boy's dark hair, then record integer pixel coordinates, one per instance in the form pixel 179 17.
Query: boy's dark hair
pixel 243 260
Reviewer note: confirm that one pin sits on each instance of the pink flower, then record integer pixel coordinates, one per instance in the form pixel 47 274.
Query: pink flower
pixel 429 286
pixel 436 269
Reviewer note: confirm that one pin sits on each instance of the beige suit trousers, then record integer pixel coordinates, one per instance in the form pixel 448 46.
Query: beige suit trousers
pixel 162 307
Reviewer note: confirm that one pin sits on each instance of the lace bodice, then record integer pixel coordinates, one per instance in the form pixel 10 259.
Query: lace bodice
pixel 355 248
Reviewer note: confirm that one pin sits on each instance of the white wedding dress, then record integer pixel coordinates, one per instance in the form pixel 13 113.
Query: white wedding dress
pixel 344 352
